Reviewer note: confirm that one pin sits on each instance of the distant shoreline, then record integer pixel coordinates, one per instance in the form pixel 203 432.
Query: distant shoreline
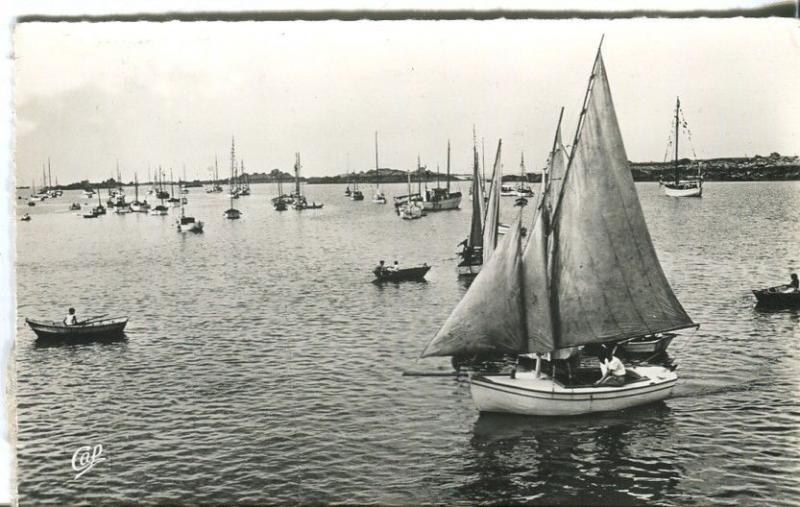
pixel 772 168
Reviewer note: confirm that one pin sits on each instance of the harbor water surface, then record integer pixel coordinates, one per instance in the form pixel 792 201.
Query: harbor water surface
pixel 262 365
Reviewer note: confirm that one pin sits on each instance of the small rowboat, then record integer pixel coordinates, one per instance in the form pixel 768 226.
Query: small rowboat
pixel 99 329
pixel 648 344
pixel 401 275
pixel 777 297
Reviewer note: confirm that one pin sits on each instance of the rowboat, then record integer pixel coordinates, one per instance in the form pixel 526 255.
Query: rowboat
pixel 648 344
pixel 99 329
pixel 401 275
pixel 779 297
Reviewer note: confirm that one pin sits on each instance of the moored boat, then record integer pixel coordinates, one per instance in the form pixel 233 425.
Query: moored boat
pixel 379 197
pixel 401 275
pixel 99 329
pixel 232 213
pixel 442 199
pixel 586 272
pixel 472 253
pixel 689 187
pixel 25 218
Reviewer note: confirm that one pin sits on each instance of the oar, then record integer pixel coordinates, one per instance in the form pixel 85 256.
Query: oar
pixel 93 318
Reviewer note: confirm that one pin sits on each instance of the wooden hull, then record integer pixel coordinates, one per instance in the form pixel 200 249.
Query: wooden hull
pixel 104 329
pixel 401 275
pixel 695 191
pixel 452 202
pixel 527 395
pixel 648 346
pixel 776 298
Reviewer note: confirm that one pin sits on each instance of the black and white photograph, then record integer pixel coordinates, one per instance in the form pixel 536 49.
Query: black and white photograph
pixel 420 260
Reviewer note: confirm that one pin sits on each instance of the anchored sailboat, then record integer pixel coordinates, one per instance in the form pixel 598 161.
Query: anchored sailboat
pixel 356 194
pixel 232 213
pixel 690 187
pixel 441 199
pixel 379 197
pixel 523 189
pixel 189 224
pixel 586 272
pixel 136 206
pixel 300 202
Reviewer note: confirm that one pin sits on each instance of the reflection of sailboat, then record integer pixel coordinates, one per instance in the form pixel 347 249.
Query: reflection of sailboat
pixel 587 272
pixel 379 197
pixel 232 213
pixel 690 187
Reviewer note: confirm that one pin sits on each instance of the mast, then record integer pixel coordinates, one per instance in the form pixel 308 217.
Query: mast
pixel 44 179
pixel 136 186
pixel 171 183
pixel 377 168
pixel 483 162
pixel 419 177
pixel 448 168
pixel 49 174
pixel 297 173
pixel 677 109
pixel 233 168
pixel 216 172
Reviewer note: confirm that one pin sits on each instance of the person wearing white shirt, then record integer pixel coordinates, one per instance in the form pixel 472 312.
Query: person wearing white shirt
pixel 612 369
pixel 71 319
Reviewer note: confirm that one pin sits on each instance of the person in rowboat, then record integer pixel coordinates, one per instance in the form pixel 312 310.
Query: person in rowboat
pixel 396 267
pixel 381 266
pixel 71 319
pixel 612 368
pixel 792 286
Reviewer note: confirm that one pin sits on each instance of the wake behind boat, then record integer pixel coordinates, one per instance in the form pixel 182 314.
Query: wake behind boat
pixel 565 284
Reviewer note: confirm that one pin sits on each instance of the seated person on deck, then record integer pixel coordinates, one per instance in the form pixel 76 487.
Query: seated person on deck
pixel 792 286
pixel 71 319
pixel 612 368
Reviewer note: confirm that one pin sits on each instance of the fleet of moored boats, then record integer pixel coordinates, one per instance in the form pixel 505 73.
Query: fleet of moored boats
pixel 575 272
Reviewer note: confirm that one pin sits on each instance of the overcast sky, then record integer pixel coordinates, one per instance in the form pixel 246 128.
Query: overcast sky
pixel 175 93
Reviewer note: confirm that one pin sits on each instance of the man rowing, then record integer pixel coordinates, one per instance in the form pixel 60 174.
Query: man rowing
pixel 71 319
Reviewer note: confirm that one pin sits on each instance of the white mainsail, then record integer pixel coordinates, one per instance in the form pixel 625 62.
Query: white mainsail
pixel 588 275
pixel 493 208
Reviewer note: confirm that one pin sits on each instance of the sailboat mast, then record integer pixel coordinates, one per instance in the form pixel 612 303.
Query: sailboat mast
pixel 297 173
pixel 49 174
pixel 419 177
pixel 448 168
pixel 377 168
pixel 677 130
pixel 546 175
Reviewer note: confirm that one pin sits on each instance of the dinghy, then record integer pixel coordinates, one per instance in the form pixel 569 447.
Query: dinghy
pixel 780 297
pixel 97 329
pixel 586 272
pixel 401 275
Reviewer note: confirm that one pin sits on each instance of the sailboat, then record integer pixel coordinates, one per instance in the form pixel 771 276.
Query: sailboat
pixel 282 201
pixel 136 206
pixel 244 183
pixel 441 199
pixel 175 201
pixel 188 224
pixel 356 194
pixel 690 187
pixel 299 200
pixel 585 273
pixel 32 198
pixel 523 189
pixel 379 197
pixel 161 193
pixel 410 209
pixel 472 253
pixel 215 186
pixel 232 213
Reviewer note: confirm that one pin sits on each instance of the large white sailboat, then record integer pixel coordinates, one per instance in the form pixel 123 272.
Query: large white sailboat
pixel 442 199
pixel 691 186
pixel 586 272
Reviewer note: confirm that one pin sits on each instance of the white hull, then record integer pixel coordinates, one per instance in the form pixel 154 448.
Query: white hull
pixel 196 227
pixel 528 395
pixel 444 204
pixel 410 212
pixel 683 192
pixel 157 212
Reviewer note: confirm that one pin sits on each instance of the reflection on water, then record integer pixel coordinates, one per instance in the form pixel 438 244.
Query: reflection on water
pixel 262 365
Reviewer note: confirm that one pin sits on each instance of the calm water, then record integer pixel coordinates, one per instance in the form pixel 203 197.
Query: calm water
pixel 262 365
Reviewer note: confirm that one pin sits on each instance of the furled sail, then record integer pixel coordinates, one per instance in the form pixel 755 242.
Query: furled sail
pixel 476 228
pixel 606 278
pixel 489 319
pixel 493 208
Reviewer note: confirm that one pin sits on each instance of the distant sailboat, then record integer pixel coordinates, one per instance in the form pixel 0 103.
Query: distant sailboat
pixel 585 273
pixel 410 209
pixel 379 197
pixel 136 206
pixel 356 194
pixel 232 213
pixel 523 189
pixel 189 224
pixel 690 187
pixel 442 199
pixel 299 200
pixel 472 253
